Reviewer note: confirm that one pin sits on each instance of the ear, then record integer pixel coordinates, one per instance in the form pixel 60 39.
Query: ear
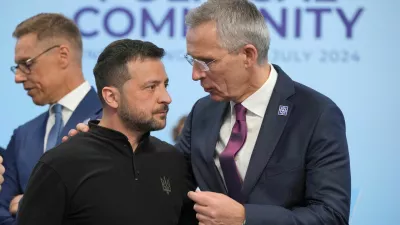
pixel 251 55
pixel 111 96
pixel 64 56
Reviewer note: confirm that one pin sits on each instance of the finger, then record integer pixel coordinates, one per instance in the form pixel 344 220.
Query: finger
pixel 82 127
pixel 199 197
pixel 13 208
pixel 14 201
pixel 64 139
pixel 202 218
pixel 2 169
pixel 72 132
pixel 19 197
pixel 1 180
pixel 202 209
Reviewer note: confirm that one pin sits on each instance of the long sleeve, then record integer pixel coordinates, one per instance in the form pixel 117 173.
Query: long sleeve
pixel 45 199
pixel 188 215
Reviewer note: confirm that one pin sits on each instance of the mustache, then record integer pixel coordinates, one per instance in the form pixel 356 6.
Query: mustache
pixel 164 108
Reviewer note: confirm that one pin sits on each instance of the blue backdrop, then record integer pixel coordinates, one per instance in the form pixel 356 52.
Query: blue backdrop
pixel 345 49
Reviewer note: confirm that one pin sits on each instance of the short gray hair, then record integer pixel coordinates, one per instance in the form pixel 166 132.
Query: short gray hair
pixel 239 22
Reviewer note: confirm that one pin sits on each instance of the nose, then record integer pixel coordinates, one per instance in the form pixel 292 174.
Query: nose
pixel 165 98
pixel 197 74
pixel 19 78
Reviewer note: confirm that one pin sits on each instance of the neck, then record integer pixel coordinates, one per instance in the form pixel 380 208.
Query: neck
pixel 74 78
pixel 259 75
pixel 112 121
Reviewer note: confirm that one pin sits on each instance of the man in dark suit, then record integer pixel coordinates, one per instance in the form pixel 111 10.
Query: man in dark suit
pixel 274 148
pixel 263 148
pixel 48 56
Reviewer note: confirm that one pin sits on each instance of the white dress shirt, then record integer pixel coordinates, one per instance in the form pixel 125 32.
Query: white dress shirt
pixel 69 103
pixel 256 105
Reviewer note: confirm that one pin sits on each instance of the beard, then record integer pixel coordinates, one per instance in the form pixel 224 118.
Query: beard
pixel 136 120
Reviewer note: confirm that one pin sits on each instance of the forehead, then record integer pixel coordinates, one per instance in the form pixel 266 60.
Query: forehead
pixel 202 41
pixel 146 70
pixel 25 47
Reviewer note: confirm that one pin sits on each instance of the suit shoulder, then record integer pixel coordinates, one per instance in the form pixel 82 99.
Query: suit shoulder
pixel 312 98
pixel 33 122
pixel 204 101
pixel 204 104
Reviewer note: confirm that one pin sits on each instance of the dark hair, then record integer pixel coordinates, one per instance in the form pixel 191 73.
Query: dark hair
pixel 111 68
pixel 50 25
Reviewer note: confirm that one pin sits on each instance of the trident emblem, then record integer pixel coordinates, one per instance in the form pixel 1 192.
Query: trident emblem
pixel 166 186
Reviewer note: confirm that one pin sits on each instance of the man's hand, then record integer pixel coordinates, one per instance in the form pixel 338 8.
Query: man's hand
pixel 80 127
pixel 217 209
pixel 2 170
pixel 14 204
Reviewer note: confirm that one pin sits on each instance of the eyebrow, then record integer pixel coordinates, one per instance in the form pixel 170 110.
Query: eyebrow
pixel 202 58
pixel 156 82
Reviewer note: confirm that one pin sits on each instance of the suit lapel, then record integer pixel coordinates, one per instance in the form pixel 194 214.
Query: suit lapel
pixel 271 130
pixel 33 145
pixel 215 120
pixel 88 107
pixel 39 136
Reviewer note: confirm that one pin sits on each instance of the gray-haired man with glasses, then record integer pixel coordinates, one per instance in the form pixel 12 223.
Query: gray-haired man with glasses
pixel 48 57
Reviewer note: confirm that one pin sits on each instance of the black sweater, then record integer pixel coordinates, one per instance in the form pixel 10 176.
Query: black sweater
pixel 95 178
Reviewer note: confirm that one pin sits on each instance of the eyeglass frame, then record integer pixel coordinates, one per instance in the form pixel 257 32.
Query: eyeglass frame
pixel 202 63
pixel 29 62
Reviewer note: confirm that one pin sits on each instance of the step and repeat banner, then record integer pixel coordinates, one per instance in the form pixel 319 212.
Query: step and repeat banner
pixel 346 49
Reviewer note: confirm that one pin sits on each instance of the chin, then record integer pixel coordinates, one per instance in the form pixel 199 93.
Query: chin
pixel 160 124
pixel 159 127
pixel 217 98
pixel 38 102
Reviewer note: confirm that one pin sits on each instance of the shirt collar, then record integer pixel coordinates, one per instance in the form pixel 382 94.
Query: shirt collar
pixel 73 98
pixel 257 102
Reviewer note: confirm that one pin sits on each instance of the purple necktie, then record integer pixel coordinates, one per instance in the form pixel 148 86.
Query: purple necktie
pixel 227 157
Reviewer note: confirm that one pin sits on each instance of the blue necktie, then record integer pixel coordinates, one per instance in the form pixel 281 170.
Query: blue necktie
pixel 55 131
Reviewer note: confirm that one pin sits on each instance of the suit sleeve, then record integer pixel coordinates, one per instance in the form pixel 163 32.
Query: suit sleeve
pixel 183 142
pixel 10 187
pixel 184 145
pixel 328 183
pixel 45 199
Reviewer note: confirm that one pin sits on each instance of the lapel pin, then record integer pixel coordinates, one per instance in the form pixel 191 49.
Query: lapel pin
pixel 283 110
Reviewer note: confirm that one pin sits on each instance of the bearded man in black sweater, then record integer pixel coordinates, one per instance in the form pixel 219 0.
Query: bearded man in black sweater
pixel 116 173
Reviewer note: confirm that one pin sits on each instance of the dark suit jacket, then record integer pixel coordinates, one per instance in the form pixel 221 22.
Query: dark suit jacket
pixel 26 147
pixel 299 172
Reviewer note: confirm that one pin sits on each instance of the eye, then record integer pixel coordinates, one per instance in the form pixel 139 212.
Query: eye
pixel 207 61
pixel 152 87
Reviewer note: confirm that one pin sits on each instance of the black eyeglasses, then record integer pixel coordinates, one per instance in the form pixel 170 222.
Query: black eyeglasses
pixel 25 67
